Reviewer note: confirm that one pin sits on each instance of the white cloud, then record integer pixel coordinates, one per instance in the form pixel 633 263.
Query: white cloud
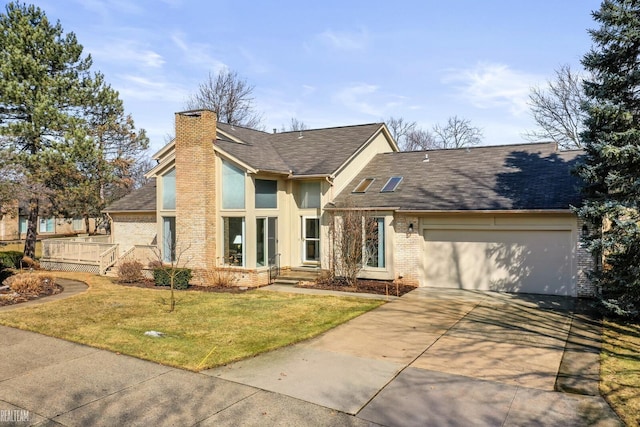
pixel 197 53
pixel 345 40
pixel 143 88
pixel 127 52
pixel 355 98
pixel 490 85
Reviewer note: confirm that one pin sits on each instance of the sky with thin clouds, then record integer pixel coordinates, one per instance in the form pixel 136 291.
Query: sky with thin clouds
pixel 334 63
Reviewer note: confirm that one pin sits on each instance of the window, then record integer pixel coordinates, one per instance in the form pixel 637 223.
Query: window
pixel 374 242
pixel 47 225
pixel 309 195
pixel 233 241
pixel 311 239
pixel 266 240
pixel 364 185
pixel 78 224
pixel 168 238
pixel 232 187
pixel 392 184
pixel 266 194
pixel 169 190
pixel 22 224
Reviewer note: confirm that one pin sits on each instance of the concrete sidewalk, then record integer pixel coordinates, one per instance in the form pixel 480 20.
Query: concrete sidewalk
pixel 432 357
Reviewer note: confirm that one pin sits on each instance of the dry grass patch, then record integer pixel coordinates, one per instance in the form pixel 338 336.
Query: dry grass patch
pixel 620 369
pixel 206 330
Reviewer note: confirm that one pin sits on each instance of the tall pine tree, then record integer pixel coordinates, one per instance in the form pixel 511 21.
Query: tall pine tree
pixel 611 169
pixel 64 126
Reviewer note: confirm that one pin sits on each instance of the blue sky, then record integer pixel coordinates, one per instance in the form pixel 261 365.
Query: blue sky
pixel 333 63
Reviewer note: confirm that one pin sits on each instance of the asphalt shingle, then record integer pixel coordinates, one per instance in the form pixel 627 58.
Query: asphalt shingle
pixel 141 200
pixel 521 177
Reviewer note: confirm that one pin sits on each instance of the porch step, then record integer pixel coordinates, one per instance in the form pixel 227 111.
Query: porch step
pixel 296 275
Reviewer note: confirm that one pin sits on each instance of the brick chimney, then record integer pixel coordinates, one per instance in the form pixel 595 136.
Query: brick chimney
pixel 195 188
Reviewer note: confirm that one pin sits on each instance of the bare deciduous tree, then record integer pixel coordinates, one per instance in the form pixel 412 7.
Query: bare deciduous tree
pixel 457 133
pixel 399 129
pixel 354 241
pixel 418 140
pixel 557 109
pixel 229 96
pixel 171 266
pixel 295 125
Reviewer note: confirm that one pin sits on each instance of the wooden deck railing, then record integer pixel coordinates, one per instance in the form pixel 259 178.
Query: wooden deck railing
pixel 108 258
pixel 69 250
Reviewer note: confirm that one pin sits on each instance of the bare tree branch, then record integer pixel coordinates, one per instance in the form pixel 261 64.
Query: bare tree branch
pixel 457 133
pixel 557 109
pixel 229 96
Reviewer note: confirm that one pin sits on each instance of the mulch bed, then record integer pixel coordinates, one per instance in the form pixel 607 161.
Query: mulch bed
pixel 8 297
pixel 150 284
pixel 379 287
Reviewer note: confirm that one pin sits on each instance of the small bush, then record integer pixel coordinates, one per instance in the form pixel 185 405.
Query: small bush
pixel 130 271
pixel 10 259
pixel 32 283
pixel 27 262
pixel 182 276
pixel 221 277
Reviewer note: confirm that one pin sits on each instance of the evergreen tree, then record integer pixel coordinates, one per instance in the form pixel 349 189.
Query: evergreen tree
pixel 63 125
pixel 611 170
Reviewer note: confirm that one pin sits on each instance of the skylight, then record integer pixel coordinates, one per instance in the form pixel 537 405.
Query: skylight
pixel 392 184
pixel 364 185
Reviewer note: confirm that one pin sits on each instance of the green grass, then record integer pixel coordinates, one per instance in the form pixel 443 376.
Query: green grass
pixel 205 330
pixel 620 369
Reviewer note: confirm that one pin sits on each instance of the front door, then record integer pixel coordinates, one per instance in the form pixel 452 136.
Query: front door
pixel 310 239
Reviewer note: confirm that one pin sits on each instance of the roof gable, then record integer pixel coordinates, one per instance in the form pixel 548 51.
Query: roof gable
pixel 307 152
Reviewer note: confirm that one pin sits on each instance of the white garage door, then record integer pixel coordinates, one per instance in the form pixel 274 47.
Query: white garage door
pixel 538 262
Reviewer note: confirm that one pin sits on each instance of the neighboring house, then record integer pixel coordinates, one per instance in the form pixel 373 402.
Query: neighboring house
pixel 495 218
pixel 13 224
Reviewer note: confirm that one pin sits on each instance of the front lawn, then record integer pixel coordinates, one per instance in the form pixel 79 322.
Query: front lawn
pixel 620 369
pixel 205 330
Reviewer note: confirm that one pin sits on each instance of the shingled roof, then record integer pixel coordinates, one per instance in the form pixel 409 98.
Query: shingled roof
pixel 307 152
pixel 141 200
pixel 510 177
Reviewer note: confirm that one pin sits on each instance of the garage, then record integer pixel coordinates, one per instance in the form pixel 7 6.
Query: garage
pixel 525 261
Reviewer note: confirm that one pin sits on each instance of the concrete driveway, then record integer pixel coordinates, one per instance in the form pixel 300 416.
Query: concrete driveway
pixel 432 357
pixel 442 357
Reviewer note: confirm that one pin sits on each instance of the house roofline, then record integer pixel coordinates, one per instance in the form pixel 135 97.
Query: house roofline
pixel 109 211
pixel 311 176
pixel 161 166
pixel 367 208
pixel 382 128
pixel 485 211
pixel 234 159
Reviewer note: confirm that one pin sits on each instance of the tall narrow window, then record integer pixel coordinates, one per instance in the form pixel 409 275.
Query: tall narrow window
pixel 23 224
pixel 234 241
pixel 232 186
pixel 266 194
pixel 309 195
pixel 374 242
pixel 169 190
pixel 168 238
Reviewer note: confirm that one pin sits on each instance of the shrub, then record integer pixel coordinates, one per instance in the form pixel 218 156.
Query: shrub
pixel 130 271
pixel 222 277
pixel 32 283
pixel 10 259
pixel 181 277
pixel 27 262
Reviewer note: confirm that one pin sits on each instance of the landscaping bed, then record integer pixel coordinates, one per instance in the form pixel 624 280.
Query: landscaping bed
pixel 379 287
pixel 150 284
pixel 40 286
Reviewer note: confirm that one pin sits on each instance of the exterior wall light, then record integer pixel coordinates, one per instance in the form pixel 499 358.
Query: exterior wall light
pixel 411 228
